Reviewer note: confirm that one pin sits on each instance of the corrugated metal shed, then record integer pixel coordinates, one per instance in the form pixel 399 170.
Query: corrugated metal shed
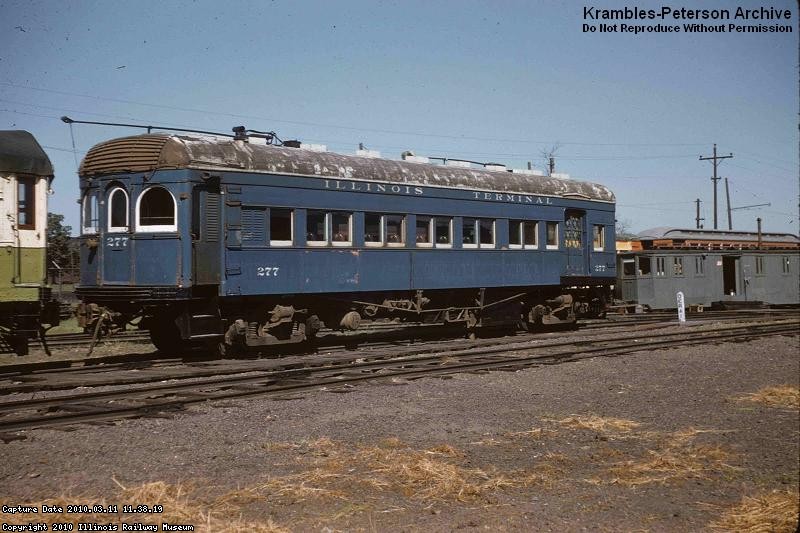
pixel 144 153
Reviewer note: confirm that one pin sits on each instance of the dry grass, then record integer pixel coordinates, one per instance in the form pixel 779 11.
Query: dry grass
pixel 773 512
pixel 784 396
pixel 182 505
pixel 606 425
pixel 675 457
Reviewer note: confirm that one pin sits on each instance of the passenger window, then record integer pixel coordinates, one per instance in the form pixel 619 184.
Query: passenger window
pixel 552 235
pixel 424 233
pixel 156 210
pixel 316 228
pixel 530 234
pixel 598 237
pixel 118 210
pixel 515 233
pixel 89 213
pixel 468 234
pixel 26 203
pixel 644 266
pixel 395 229
pixel 677 266
pixel 280 226
pixel 700 266
pixel 444 232
pixel 373 229
pixel 486 229
pixel 341 223
pixel 628 267
pixel 661 269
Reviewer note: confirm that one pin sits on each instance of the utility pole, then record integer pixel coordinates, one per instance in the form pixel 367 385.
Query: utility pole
pixel 697 219
pixel 728 201
pixel 715 161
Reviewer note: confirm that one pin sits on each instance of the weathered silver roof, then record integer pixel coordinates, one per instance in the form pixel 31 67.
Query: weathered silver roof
pixel 20 153
pixel 715 235
pixel 153 151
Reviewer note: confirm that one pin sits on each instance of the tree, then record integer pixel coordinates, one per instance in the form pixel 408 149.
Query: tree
pixel 60 247
pixel 623 230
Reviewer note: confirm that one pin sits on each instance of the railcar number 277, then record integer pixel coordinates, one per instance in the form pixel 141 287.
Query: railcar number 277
pixel 116 242
pixel 267 271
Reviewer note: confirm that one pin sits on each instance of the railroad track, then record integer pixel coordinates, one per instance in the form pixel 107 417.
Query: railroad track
pixel 380 334
pixel 275 378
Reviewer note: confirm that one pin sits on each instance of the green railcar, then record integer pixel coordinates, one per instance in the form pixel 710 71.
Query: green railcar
pixel 26 305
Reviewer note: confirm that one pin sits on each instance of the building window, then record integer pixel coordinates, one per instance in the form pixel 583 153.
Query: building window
pixel 89 213
pixel 552 235
pixel 424 233
pixel 117 210
pixel 644 266
pixel 661 267
pixel 26 203
pixel 598 237
pixel 342 225
pixel 444 232
pixel 395 230
pixel 785 264
pixel 523 234
pixel 677 266
pixel 700 266
pixel 156 210
pixel 280 226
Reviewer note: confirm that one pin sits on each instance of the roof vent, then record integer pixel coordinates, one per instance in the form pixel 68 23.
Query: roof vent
pixel 314 147
pixel 374 154
pixel 526 171
pixel 411 158
pixel 294 143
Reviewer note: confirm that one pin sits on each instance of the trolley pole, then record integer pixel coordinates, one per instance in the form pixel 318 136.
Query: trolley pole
pixel 728 201
pixel 715 161
pixel 697 218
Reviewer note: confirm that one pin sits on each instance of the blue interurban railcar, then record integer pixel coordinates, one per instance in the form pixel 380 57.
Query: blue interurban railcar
pixel 233 242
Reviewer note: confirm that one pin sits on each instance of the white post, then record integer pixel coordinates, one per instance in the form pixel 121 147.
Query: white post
pixel 681 308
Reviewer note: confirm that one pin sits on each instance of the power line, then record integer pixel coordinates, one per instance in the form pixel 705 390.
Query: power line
pixel 335 126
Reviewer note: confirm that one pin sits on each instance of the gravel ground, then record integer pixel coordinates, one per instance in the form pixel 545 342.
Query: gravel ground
pixel 653 441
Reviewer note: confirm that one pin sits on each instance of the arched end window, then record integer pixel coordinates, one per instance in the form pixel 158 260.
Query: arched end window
pixel 117 210
pixel 89 213
pixel 156 210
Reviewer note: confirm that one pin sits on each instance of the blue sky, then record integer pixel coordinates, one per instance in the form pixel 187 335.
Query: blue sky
pixel 489 81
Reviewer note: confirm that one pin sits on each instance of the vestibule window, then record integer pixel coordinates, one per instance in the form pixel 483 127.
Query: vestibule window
pixel 26 203
pixel 156 211
pixel 599 238
pixel 89 213
pixel 117 210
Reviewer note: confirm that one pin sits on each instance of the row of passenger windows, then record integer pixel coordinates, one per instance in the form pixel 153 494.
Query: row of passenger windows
pixel 156 210
pixel 335 228
pixel 629 266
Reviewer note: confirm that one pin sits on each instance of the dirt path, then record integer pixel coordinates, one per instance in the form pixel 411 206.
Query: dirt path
pixel 658 441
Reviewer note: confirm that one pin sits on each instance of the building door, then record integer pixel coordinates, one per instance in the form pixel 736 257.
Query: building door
pixel 575 243
pixel 730 269
pixel 206 234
